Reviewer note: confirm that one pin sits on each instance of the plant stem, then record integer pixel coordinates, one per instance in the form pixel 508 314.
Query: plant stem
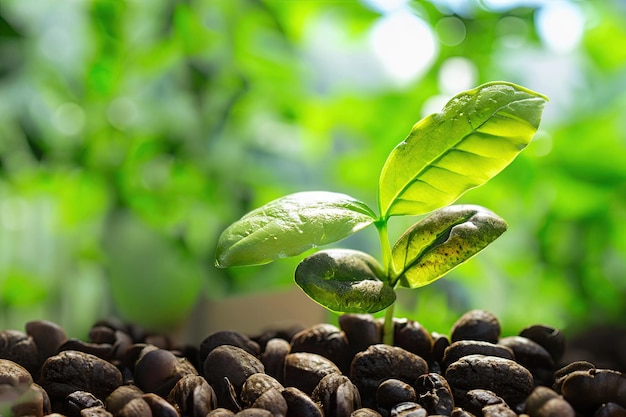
pixel 385 246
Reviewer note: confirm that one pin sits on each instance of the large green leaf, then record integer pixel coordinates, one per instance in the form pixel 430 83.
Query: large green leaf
pixel 291 225
pixel 477 134
pixel 442 241
pixel 345 281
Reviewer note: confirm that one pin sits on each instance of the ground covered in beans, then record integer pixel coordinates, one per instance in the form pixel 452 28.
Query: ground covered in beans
pixel 323 370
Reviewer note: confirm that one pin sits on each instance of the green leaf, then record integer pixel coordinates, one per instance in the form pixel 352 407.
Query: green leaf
pixel 477 134
pixel 291 225
pixel 442 241
pixel 345 281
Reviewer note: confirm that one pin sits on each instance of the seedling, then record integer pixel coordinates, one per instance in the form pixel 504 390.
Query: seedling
pixel 476 135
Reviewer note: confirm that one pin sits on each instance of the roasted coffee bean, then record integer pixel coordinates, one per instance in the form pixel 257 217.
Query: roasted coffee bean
pixel 379 362
pixel 71 371
pixel 545 402
pixel 550 338
pixel 193 396
pixel 256 385
pixel 561 374
pixel 227 337
pixel 23 400
pixel 17 347
pixel 459 412
pixel 365 412
pixel 475 400
pixel 14 374
pixel 94 412
pixel 498 410
pixel 103 351
pixel 254 412
pixel 434 393
pixel 305 370
pixel 79 400
pixel 476 325
pixel 48 337
pixel 273 358
pixel 286 333
pixel 412 337
pixel 272 400
pixel 532 356
pixel 506 378
pixel 587 390
pixel 101 334
pixel 361 330
pixel 337 395
pixel 137 407
pixel 121 396
pixel 220 412
pixel 228 366
pixel 393 391
pixel 408 409
pixel 158 371
pixel 159 406
pixel 610 410
pixel 462 348
pixel 300 404
pixel 440 343
pixel 325 340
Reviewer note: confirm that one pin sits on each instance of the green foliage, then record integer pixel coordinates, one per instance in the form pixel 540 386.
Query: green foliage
pixel 478 133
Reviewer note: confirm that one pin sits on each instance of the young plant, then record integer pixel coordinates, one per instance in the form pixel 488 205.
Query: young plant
pixel 476 135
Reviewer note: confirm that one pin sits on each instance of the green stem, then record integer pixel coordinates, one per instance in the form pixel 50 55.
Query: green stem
pixel 385 246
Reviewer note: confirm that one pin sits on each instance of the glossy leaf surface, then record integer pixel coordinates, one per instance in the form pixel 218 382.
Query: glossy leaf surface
pixel 477 134
pixel 442 241
pixel 345 281
pixel 291 225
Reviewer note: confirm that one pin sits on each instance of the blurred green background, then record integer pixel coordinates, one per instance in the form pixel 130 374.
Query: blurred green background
pixel 133 132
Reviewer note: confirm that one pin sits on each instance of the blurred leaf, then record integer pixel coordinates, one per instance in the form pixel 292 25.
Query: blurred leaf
pixel 291 225
pixel 346 281
pixel 476 135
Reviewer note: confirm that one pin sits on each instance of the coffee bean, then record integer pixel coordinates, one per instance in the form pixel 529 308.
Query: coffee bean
pixel 337 395
pixel 462 348
pixel 159 406
pixel 158 371
pixel 300 404
pixel 273 401
pixel 561 374
pixel 48 337
pixel 94 412
pixel 103 351
pixel 256 385
pixel 71 371
pixel 545 402
pixel 459 412
pixel 412 337
pixel 121 396
pixel 325 340
pixel 79 400
pixel 476 325
pixel 220 412
pixel 361 331
pixel 305 370
pixel 137 407
pixel 408 409
pixel 226 368
pixel 227 337
pixel 610 410
pixel 14 374
pixel 380 362
pixel 17 347
pixel 393 391
pixel 192 396
pixel 273 358
pixel 254 412
pixel 550 338
pixel 434 393
pixel 365 412
pixel 475 400
pixel 23 399
pixel 587 390
pixel 440 343
pixel 506 378
pixel 532 356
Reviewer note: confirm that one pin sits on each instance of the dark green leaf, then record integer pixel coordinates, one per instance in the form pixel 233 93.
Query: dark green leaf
pixel 442 241
pixel 291 225
pixel 476 135
pixel 345 281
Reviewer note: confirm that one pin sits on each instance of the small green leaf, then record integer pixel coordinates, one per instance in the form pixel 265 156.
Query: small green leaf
pixel 345 281
pixel 442 241
pixel 289 226
pixel 476 135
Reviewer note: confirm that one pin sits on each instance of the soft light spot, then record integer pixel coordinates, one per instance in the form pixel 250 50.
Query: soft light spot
pixel 121 112
pixel 511 31
pixel 385 6
pixel 560 25
pixel 450 30
pixel 457 74
pixel 69 118
pixel 404 44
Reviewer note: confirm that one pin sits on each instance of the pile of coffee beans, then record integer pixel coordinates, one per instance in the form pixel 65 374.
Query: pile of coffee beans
pixel 323 370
